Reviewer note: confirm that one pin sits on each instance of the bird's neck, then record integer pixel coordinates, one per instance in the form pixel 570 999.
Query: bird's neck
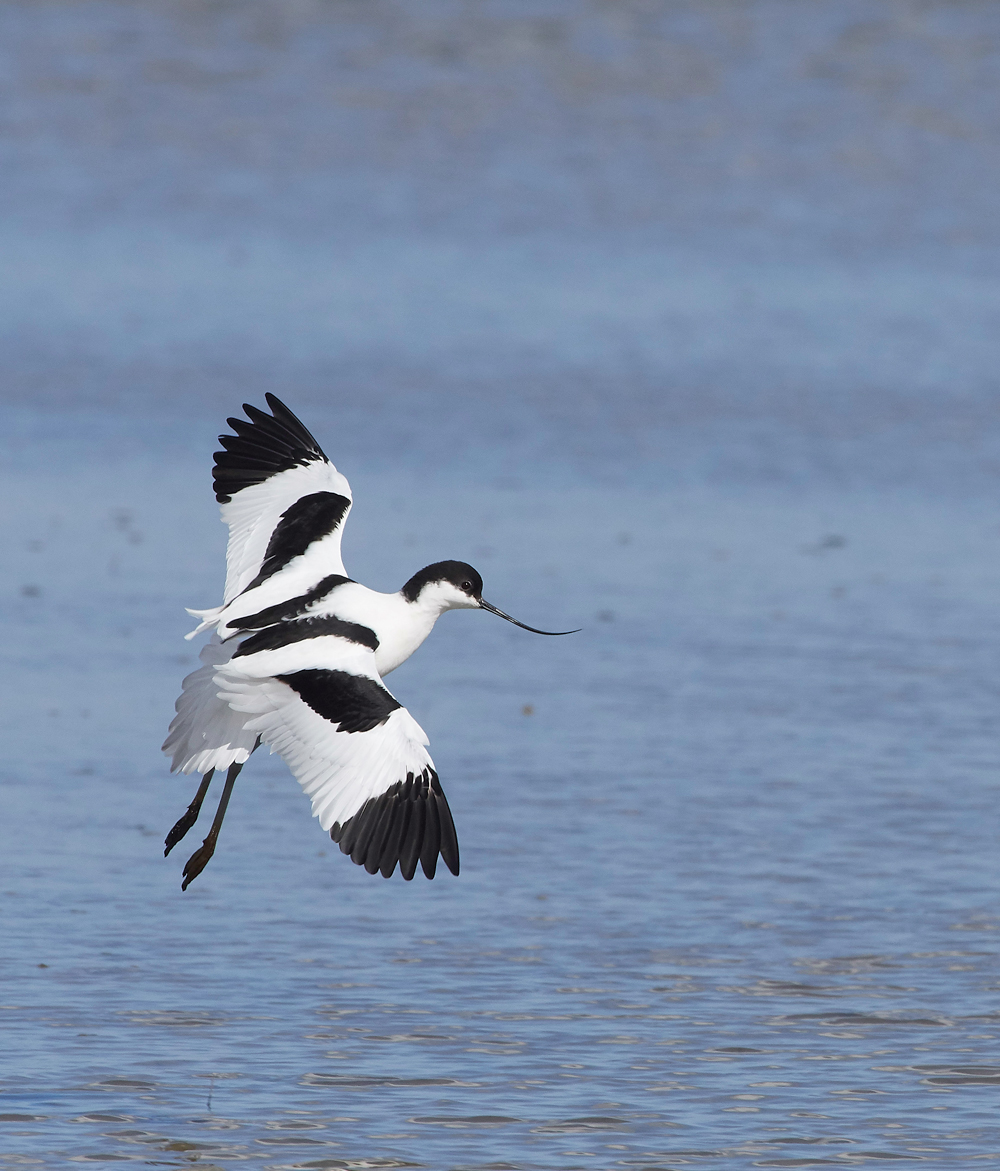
pixel 403 628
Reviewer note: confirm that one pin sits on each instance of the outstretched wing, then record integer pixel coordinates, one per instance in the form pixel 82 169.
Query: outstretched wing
pixel 281 497
pixel 318 701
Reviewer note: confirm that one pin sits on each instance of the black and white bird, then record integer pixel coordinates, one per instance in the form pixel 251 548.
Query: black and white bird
pixel 298 653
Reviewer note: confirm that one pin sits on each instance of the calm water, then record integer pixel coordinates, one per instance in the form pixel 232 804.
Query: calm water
pixel 729 893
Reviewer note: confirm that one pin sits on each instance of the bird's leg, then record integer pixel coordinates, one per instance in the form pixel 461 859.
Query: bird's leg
pixel 200 858
pixel 191 816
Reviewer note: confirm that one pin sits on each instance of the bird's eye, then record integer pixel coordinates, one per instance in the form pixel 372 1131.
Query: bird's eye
pixel 466 585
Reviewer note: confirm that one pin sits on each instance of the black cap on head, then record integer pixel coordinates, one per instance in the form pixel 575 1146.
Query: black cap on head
pixel 459 573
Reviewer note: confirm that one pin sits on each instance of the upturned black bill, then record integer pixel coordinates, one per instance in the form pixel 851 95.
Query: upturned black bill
pixel 493 610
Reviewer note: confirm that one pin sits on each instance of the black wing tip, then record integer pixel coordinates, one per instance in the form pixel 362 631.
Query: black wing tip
pixel 279 408
pixel 409 823
pixel 262 448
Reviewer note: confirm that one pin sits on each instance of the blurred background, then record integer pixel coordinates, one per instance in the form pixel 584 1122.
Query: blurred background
pixel 713 239
pixel 679 321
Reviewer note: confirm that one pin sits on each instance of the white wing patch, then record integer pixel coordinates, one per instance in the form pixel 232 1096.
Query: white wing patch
pixel 340 771
pixel 254 513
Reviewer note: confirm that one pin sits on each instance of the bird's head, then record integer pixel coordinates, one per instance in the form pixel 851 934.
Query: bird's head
pixel 455 585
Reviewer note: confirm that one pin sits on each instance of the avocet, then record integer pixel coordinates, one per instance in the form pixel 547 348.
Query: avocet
pixel 297 655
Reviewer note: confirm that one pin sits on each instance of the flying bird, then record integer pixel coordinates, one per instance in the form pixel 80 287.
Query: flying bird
pixel 297 655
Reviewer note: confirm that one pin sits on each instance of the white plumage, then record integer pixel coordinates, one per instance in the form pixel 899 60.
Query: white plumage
pixel 206 732
pixel 297 656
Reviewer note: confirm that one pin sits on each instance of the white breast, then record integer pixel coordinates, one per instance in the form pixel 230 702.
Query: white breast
pixel 399 625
